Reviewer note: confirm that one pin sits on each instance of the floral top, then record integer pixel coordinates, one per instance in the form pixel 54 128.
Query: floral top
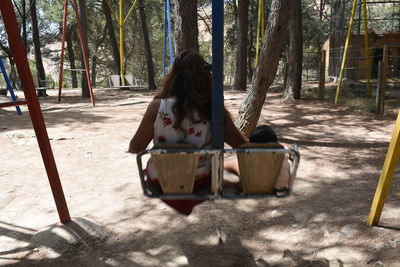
pixel 197 134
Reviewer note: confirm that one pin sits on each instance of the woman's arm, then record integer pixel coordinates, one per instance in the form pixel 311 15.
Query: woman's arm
pixel 233 136
pixel 145 132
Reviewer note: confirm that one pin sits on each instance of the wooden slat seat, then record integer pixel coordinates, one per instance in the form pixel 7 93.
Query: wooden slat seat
pixel 176 171
pixel 259 171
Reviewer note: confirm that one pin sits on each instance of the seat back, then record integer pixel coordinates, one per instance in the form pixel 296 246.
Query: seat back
pixel 114 81
pixel 259 171
pixel 176 171
pixel 129 80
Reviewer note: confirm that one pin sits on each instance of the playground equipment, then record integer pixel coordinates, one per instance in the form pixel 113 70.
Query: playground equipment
pixel 9 86
pixel 386 177
pixel 83 47
pixel 346 47
pixel 121 20
pixel 184 160
pixel 260 27
pixel 167 27
pixel 19 54
pixel 115 81
pixel 259 169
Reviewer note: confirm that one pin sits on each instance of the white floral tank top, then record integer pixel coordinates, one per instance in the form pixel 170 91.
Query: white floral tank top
pixel 197 134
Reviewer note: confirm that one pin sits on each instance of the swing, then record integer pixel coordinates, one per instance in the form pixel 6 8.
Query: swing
pixel 259 165
pixel 176 164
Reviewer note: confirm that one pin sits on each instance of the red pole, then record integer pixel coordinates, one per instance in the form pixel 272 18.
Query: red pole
pixel 84 52
pixel 64 32
pixel 25 75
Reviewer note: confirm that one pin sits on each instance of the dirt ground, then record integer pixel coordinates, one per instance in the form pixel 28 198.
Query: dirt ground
pixel 323 223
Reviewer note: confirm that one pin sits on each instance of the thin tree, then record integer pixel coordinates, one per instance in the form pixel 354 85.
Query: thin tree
pixel 40 72
pixel 251 106
pixel 70 36
pixel 95 55
pixel 111 35
pixel 295 56
pixel 186 30
pixel 147 47
pixel 241 51
pixel 84 24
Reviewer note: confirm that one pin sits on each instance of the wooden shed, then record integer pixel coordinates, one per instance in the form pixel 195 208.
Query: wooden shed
pixel 355 68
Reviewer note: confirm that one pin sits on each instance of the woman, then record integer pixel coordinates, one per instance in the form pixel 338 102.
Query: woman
pixel 181 113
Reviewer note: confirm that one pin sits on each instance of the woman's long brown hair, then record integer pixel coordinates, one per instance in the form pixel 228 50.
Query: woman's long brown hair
pixel 190 82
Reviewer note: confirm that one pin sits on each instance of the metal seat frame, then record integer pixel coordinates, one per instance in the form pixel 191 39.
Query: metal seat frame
pixel 217 191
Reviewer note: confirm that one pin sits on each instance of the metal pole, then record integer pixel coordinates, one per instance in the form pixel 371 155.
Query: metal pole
pixel 368 67
pixel 85 58
pixel 9 87
pixel 171 45
pixel 346 47
pixel 64 33
pixel 165 38
pixel 218 71
pixel 217 126
pixel 15 41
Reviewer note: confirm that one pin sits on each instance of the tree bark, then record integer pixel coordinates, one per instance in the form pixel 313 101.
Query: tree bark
pixel 295 58
pixel 186 30
pixel 111 35
pixel 250 108
pixel 96 46
pixel 241 52
pixel 147 47
pixel 40 73
pixel 84 24
pixel 71 55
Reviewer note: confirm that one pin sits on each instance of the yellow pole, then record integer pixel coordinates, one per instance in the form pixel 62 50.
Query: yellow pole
pixel 368 68
pixel 385 180
pixel 262 21
pixel 121 41
pixel 346 46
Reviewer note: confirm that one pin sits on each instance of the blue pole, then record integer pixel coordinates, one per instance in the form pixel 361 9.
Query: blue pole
pixel 9 87
pixel 171 46
pixel 217 74
pixel 165 37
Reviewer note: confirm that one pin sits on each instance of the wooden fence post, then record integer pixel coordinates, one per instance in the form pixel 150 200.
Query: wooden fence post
pixel 322 68
pixel 379 89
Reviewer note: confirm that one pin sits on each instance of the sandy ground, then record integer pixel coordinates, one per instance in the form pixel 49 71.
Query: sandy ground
pixel 321 224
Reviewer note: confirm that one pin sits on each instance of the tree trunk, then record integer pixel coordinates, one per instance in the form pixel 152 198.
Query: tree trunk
pixel 186 30
pixel 96 46
pixel 147 48
pixel 71 55
pixel 241 52
pixel 295 57
pixel 40 73
pixel 250 108
pixel 111 35
pixel 84 24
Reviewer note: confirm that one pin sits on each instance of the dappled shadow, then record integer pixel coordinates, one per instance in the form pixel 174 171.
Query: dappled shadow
pixel 323 222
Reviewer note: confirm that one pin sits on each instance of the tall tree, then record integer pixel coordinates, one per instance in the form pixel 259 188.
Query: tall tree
pixel 295 59
pixel 241 51
pixel 40 73
pixel 111 35
pixel 251 106
pixel 84 24
pixel 70 36
pixel 147 47
pixel 186 30
pixel 95 55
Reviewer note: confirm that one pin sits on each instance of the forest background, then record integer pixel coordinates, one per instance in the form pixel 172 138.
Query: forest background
pixel 307 26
